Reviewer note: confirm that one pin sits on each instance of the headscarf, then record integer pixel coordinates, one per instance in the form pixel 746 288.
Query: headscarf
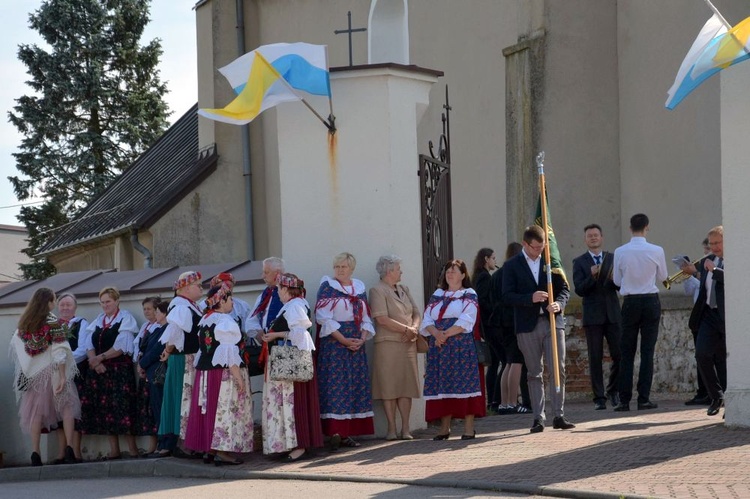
pixel 186 279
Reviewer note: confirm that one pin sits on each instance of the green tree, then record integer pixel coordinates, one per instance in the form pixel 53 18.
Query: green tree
pixel 97 103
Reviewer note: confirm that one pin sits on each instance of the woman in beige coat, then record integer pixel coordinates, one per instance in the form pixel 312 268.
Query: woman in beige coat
pixel 397 318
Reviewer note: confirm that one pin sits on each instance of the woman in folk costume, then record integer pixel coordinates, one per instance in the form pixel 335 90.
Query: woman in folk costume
pixel 453 386
pixel 145 424
pixel 343 315
pixel 66 316
pixel 221 409
pixel 180 341
pixel 240 308
pixel 151 350
pixel 44 371
pixel 291 411
pixel 108 401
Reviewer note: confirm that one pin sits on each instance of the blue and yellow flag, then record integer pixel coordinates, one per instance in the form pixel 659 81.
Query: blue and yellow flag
pixel 255 97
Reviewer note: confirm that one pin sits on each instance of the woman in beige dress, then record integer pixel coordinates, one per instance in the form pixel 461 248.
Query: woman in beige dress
pixel 396 317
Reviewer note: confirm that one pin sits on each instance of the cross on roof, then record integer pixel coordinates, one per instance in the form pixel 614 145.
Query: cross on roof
pixel 349 31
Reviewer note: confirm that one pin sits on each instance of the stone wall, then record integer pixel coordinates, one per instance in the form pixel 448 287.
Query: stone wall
pixel 674 360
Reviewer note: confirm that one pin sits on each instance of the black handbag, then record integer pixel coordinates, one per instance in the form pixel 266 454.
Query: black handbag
pixel 160 373
pixel 484 356
pixel 251 358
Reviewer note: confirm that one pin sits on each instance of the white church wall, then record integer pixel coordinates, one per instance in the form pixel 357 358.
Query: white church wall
pixel 735 179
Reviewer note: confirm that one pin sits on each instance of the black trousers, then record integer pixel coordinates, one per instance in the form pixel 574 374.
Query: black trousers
pixel 711 353
pixel 595 336
pixel 701 393
pixel 640 315
pixel 493 337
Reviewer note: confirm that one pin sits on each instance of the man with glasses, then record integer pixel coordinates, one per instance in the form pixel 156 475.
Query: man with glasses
pixel 638 266
pixel 525 289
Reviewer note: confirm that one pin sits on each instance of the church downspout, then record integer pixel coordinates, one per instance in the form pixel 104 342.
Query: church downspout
pixel 148 259
pixel 245 133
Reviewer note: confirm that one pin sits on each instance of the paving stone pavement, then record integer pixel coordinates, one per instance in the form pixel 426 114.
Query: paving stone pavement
pixel 674 451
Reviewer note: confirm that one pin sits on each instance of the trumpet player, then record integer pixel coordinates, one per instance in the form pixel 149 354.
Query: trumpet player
pixel 592 277
pixel 708 318
pixel 638 266
pixel 692 286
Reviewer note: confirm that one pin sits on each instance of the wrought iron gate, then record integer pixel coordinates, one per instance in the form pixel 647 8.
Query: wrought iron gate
pixel 435 192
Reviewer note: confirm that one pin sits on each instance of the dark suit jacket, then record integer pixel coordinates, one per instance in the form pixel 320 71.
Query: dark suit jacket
pixel 502 314
pixel 700 303
pixel 481 284
pixel 150 358
pixel 600 302
pixel 519 287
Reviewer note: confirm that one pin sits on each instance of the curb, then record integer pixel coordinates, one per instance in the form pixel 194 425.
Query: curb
pixel 176 468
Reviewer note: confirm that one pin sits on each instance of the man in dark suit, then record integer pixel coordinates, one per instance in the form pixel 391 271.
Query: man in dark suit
pixel 592 277
pixel 709 320
pixel 525 289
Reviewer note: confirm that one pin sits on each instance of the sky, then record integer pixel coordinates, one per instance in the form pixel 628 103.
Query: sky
pixel 173 21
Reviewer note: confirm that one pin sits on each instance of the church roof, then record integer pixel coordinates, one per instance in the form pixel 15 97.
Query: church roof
pixel 88 283
pixel 153 184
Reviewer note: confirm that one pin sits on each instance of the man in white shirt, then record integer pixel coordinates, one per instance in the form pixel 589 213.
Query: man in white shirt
pixel 638 266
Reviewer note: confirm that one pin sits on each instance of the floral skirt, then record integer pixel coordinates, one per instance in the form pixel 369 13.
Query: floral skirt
pixel 279 433
pixel 220 418
pixel 108 403
pixel 188 378
pixel 145 425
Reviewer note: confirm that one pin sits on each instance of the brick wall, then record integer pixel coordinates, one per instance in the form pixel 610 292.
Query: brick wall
pixel 674 360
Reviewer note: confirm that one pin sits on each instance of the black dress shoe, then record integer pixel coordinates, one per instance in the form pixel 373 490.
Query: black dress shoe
pixel 699 400
pixel 36 459
pixel 537 427
pixel 713 409
pixel 642 406
pixel 599 406
pixel 614 399
pixel 469 437
pixel 70 456
pixel 442 437
pixel 622 407
pixel 560 423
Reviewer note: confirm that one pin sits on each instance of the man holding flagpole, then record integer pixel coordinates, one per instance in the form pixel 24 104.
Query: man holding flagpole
pixel 525 289
pixel 638 266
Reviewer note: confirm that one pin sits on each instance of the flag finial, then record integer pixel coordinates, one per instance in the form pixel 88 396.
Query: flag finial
pixel 540 162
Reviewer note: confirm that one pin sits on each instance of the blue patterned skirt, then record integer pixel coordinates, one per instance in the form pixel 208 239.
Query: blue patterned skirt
pixel 344 385
pixel 452 382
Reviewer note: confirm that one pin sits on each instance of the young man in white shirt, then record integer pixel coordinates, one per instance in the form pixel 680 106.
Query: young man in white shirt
pixel 638 266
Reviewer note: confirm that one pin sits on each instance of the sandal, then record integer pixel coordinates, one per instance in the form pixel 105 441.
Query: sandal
pixel 350 442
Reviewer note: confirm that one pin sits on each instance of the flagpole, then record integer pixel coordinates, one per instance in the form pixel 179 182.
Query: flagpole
pixel 726 24
pixel 718 14
pixel 331 117
pixel 548 263
pixel 329 126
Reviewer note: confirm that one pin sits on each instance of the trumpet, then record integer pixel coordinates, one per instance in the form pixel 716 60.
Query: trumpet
pixel 678 277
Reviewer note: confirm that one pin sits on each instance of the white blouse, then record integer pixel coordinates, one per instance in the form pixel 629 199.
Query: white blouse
pixel 295 313
pixel 80 353
pixel 179 321
pixel 228 334
pixel 125 335
pixel 464 310
pixel 330 316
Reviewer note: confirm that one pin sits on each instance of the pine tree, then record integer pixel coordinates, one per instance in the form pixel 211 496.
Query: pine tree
pixel 97 103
